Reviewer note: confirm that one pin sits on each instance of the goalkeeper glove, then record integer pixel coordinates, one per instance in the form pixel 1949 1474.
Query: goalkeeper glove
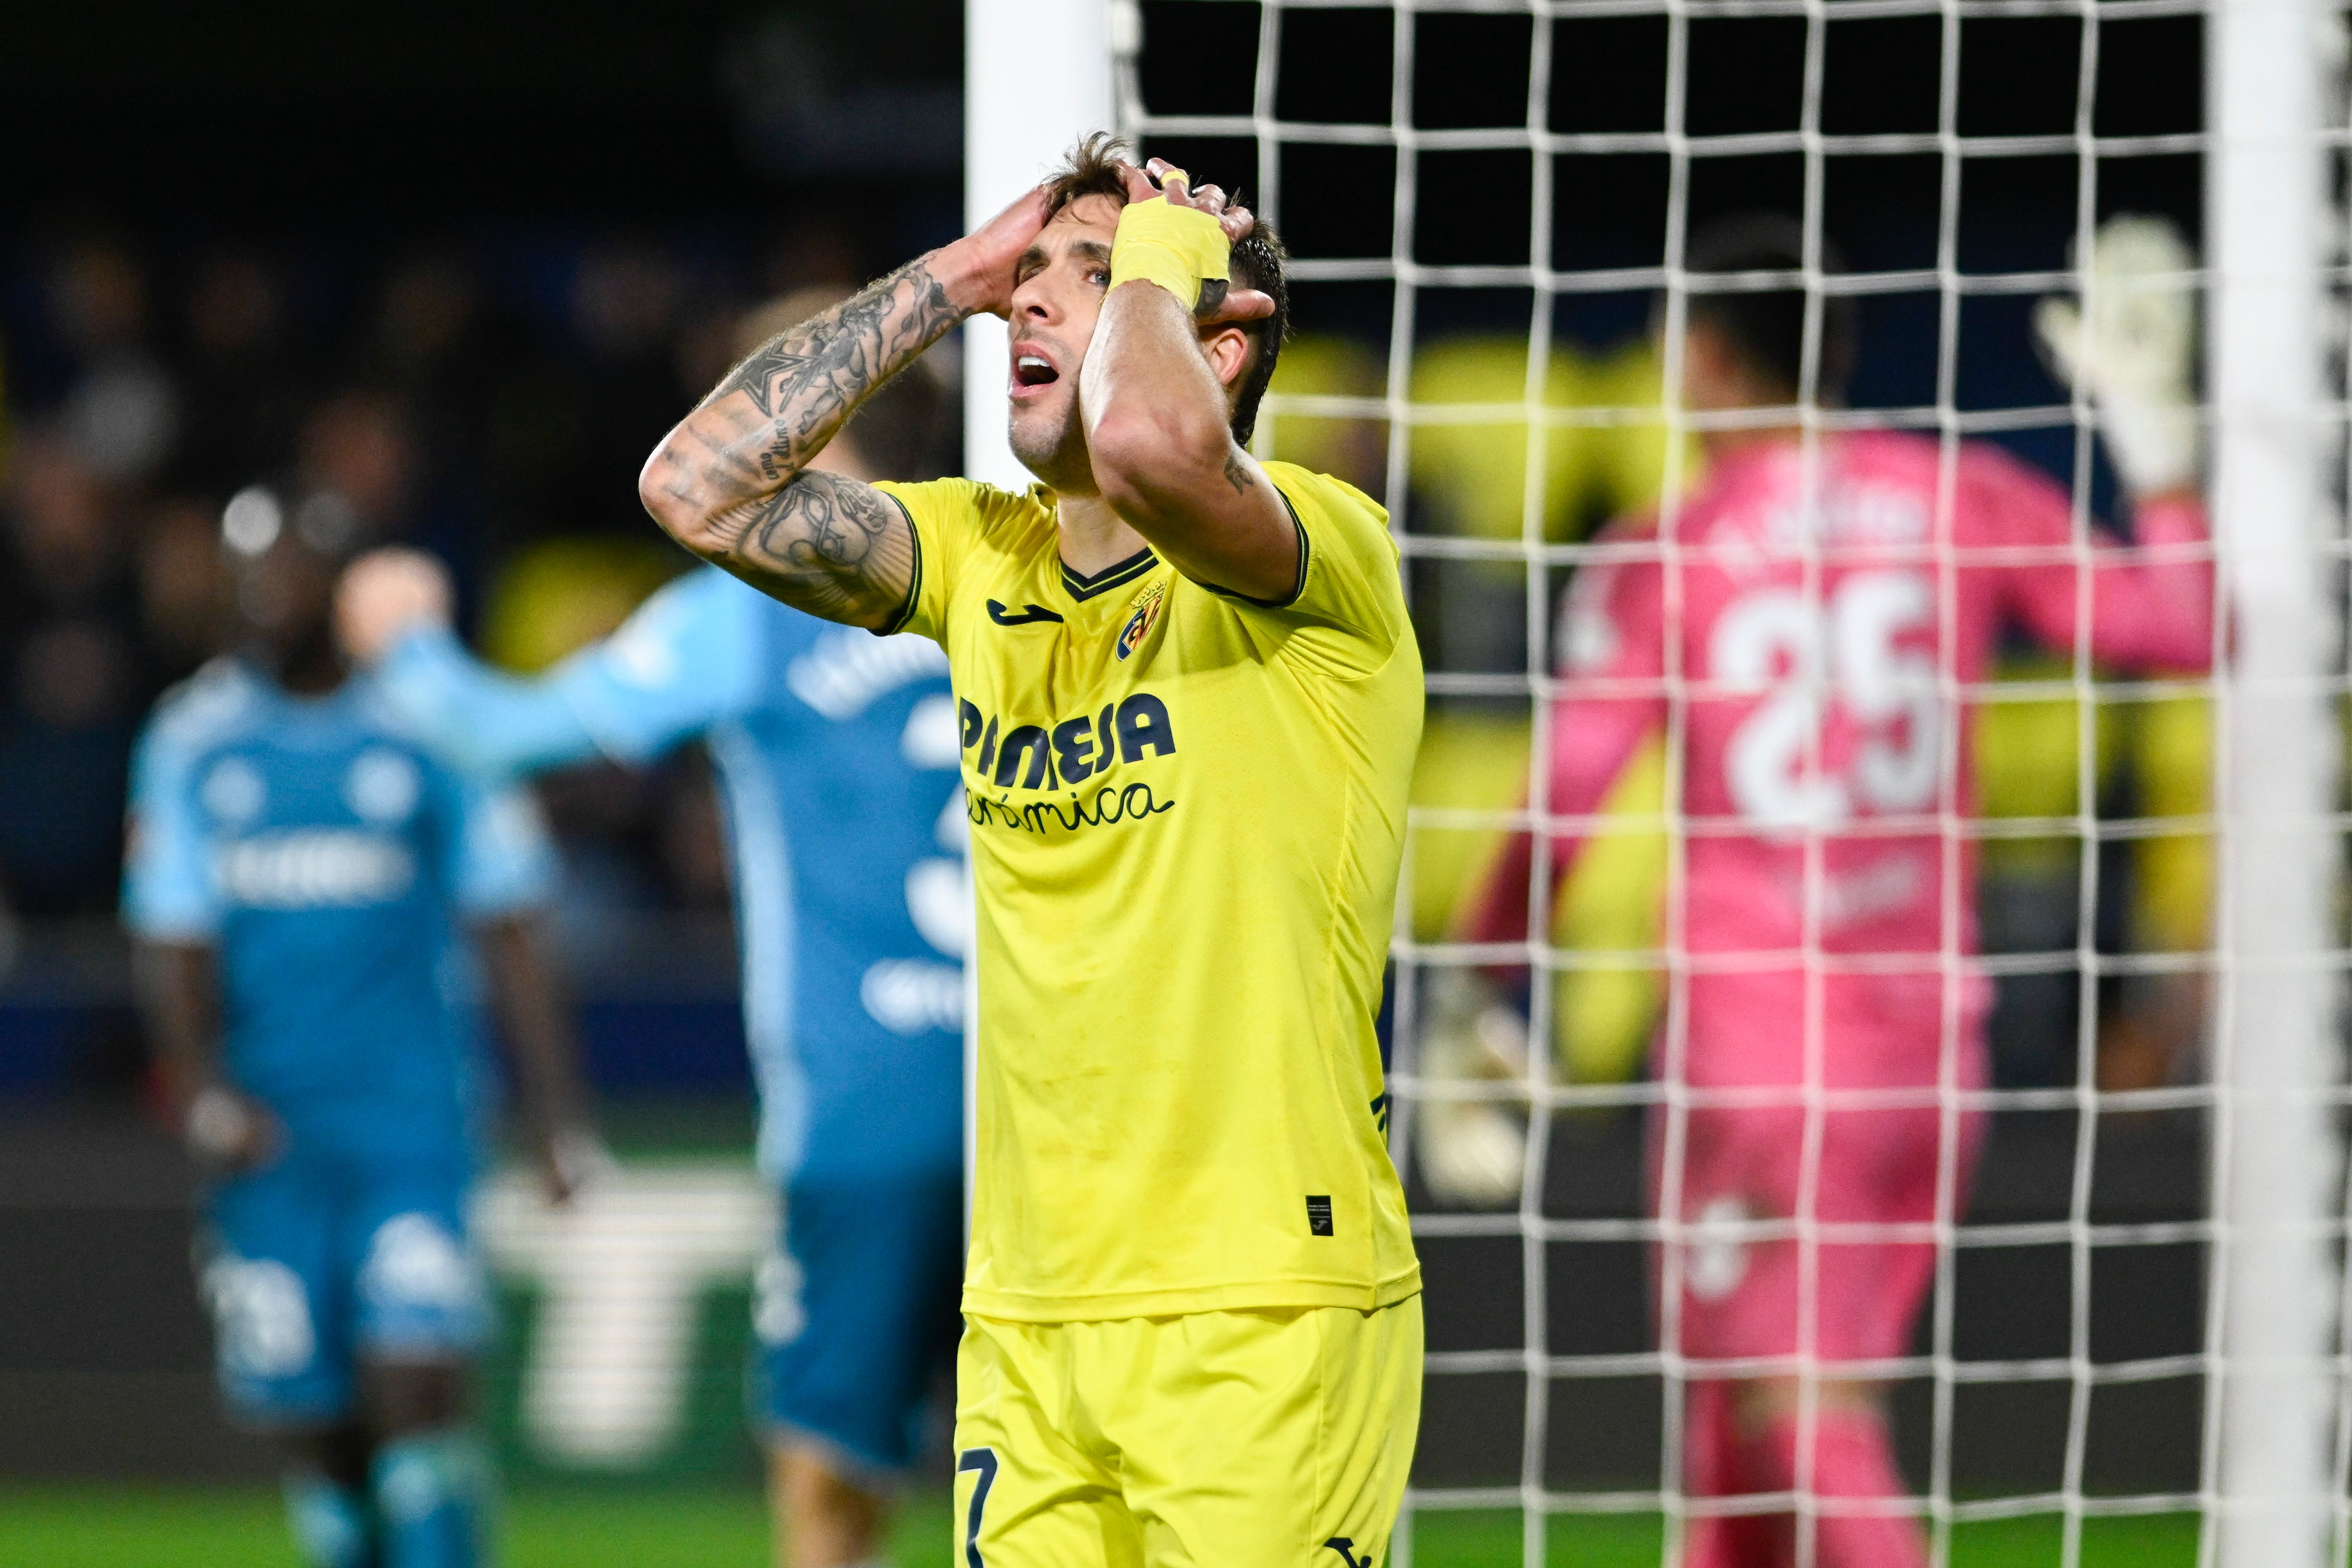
pixel 1472 1151
pixel 2134 352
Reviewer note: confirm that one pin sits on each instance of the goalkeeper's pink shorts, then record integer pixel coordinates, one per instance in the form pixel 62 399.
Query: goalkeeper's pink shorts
pixel 1810 1226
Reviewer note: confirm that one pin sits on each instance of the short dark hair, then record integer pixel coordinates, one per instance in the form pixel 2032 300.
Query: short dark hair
pixel 1092 168
pixel 1767 327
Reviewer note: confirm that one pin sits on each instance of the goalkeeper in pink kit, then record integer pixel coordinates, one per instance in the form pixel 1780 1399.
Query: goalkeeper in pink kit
pixel 1819 616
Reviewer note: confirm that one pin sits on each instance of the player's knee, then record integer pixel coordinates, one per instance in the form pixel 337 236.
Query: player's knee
pixel 338 1453
pixel 420 1277
pixel 1758 1403
pixel 401 1398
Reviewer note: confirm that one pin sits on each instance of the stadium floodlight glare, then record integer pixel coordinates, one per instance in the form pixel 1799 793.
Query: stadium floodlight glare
pixel 2274 1373
pixel 251 520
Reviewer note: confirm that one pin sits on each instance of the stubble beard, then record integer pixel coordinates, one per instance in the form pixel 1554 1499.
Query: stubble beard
pixel 1056 452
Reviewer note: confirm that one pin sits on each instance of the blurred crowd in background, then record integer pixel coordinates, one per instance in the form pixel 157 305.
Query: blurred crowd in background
pixel 492 409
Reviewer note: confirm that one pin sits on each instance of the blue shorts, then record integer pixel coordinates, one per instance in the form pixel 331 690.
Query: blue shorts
pixel 858 1313
pixel 312 1263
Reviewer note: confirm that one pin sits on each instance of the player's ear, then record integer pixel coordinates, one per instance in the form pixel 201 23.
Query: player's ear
pixel 1228 350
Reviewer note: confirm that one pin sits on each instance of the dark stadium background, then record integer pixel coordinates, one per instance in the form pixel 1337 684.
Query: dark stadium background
pixel 691 158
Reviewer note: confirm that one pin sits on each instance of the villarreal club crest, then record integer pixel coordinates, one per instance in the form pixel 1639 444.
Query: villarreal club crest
pixel 1138 624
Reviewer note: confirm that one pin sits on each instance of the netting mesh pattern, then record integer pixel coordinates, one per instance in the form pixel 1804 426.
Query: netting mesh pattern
pixel 1490 209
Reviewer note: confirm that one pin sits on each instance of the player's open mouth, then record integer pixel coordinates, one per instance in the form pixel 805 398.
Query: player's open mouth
pixel 1031 371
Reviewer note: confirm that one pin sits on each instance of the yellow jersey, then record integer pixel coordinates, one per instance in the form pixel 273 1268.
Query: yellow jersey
pixel 1187 812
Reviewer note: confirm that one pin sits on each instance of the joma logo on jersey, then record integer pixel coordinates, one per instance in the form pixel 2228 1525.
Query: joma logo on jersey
pixel 1034 756
pixel 307 868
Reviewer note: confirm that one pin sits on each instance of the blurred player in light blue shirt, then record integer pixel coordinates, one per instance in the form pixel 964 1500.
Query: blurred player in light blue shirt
pixel 836 753
pixel 319 900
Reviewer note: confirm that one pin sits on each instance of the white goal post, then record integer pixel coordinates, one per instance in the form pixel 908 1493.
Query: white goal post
pixel 1037 75
pixel 2274 1456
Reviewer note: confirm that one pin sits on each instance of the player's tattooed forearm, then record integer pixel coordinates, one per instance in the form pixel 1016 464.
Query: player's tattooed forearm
pixel 830 546
pixel 806 381
pixel 1237 474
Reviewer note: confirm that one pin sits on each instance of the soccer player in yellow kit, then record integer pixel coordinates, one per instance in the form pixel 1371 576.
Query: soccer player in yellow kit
pixel 1190 700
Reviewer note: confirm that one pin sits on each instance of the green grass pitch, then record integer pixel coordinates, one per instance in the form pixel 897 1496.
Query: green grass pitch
pixel 631 1526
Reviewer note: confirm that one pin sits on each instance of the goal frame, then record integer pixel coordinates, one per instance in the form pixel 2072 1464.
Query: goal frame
pixel 2278 1428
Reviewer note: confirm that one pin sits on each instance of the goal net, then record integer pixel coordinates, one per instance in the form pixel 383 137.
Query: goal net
pixel 2089 245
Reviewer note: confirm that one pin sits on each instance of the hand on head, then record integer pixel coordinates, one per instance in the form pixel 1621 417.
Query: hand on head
pixel 996 246
pixel 385 594
pixel 1175 186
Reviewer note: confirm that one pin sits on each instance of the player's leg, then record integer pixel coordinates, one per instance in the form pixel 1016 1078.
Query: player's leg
pixel 1737 1172
pixel 856 1315
pixel 281 1336
pixel 821 1519
pixel 427 1470
pixel 1035 1484
pixel 1712 1453
pixel 1876 1167
pixel 421 1312
pixel 327 1501
pixel 1741 1298
pixel 1851 1461
pixel 1263 1439
pixel 1749 1289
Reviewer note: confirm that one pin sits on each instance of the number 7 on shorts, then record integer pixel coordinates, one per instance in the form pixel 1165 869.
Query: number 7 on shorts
pixel 984 1461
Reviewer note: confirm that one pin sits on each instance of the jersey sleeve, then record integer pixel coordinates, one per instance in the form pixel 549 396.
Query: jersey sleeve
pixel 168 892
pixel 2151 601
pixel 471 716
pixel 683 662
pixel 1612 661
pixel 1350 592
pixel 945 514
pixel 500 859
pixel 689 657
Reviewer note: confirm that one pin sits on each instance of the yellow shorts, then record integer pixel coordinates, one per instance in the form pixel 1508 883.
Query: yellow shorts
pixel 1267 1439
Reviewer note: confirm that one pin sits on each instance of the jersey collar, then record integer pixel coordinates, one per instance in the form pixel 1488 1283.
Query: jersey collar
pixel 1109 577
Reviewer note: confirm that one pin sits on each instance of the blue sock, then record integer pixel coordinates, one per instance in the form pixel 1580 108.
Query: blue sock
pixel 432 1499
pixel 330 1522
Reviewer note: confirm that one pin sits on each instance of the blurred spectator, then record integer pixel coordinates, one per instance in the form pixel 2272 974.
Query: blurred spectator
pixel 122 412
pixel 813 254
pixel 623 303
pixel 706 351
pixel 244 387
pixel 356 449
pixel 77 679
pixel 439 351
pixel 183 593
pixel 425 324
pixel 487 400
